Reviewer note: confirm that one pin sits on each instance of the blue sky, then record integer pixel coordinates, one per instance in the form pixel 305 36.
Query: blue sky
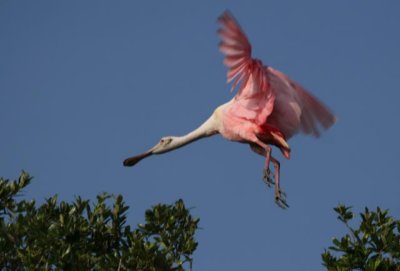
pixel 85 84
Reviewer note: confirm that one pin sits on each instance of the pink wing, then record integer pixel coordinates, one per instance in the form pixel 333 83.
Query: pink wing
pixel 254 100
pixel 295 108
pixel 266 95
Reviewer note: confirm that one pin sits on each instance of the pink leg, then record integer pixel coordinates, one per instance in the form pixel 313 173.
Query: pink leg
pixel 280 196
pixel 264 150
pixel 267 172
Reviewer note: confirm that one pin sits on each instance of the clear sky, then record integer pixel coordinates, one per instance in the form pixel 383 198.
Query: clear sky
pixel 85 84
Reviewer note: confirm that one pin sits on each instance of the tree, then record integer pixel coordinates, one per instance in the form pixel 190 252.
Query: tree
pixel 91 236
pixel 374 245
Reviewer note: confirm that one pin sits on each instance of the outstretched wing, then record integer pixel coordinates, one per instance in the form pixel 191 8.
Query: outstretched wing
pixel 311 114
pixel 254 99
pixel 265 93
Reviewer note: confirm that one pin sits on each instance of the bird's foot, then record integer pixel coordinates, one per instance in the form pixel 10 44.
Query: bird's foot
pixel 267 178
pixel 280 199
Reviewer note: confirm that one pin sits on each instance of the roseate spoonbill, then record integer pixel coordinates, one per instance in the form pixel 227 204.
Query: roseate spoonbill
pixel 268 108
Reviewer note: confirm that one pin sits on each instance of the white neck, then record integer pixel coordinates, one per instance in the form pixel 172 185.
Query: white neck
pixel 208 128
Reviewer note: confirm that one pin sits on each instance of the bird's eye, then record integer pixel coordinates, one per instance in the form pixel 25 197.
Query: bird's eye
pixel 165 141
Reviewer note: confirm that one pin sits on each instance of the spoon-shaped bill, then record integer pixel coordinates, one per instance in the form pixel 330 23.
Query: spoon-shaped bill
pixel 131 161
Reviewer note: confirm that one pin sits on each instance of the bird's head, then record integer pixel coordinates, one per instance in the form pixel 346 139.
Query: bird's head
pixel 165 144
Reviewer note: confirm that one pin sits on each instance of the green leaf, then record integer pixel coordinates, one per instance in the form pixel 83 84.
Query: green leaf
pixel 374 245
pixel 91 236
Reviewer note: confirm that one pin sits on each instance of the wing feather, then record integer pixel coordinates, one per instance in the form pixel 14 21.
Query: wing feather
pixel 314 113
pixel 266 95
pixel 234 45
pixel 248 74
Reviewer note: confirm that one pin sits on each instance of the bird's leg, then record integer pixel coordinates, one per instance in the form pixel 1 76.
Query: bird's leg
pixel 267 172
pixel 265 150
pixel 261 149
pixel 280 196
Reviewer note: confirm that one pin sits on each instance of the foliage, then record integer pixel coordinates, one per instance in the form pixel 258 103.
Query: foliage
pixel 375 245
pixel 85 236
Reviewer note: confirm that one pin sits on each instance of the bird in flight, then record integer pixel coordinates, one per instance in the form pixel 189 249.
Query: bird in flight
pixel 267 110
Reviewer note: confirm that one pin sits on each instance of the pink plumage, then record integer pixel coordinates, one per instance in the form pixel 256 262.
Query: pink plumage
pixel 268 108
pixel 266 95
